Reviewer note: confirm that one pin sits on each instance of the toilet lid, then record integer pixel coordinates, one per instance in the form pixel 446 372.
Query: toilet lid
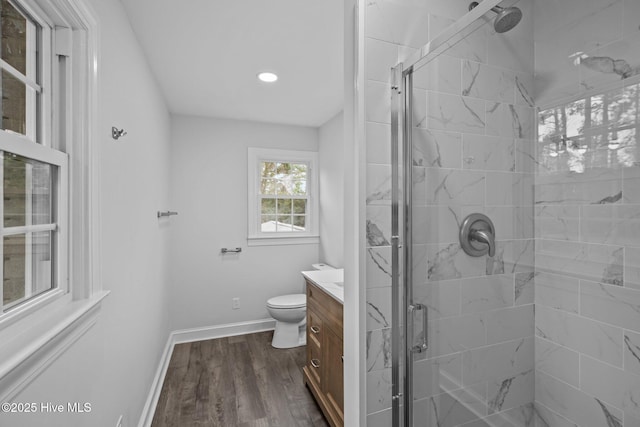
pixel 288 301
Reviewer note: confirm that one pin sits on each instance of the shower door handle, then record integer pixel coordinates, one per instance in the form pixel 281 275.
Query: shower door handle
pixel 424 345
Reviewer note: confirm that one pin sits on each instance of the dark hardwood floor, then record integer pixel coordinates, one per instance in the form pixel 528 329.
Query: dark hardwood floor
pixel 236 381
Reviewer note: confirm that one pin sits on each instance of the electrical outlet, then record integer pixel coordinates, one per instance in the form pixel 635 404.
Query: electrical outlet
pixel 235 303
pixel 119 423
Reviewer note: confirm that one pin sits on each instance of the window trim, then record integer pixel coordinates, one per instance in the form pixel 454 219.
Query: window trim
pixel 35 341
pixel 255 237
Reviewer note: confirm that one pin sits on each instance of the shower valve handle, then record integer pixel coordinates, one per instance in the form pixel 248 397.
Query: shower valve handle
pixel 477 235
pixel 486 238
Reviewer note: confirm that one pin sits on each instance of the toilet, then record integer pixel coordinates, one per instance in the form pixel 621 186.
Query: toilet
pixel 290 313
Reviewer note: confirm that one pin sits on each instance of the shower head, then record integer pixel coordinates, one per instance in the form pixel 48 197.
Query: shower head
pixel 508 17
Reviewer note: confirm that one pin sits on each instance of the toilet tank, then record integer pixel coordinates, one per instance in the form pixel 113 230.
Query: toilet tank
pixel 322 266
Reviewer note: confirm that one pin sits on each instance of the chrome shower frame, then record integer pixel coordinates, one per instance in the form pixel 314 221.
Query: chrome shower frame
pixel 397 113
pixel 403 306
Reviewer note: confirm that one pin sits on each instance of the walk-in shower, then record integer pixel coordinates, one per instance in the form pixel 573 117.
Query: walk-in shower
pixel 513 233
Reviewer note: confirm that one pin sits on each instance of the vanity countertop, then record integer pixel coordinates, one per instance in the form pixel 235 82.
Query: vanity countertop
pixel 332 281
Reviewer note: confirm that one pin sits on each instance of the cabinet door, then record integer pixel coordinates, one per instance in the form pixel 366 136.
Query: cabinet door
pixel 333 379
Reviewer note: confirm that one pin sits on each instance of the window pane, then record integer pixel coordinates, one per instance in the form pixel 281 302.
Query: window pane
pixel 284 206
pixel 299 206
pixel 268 169
pixel 575 118
pixel 14 104
pixel 299 188
pixel 268 223
pixel 268 186
pixel 14 37
pixel 284 223
pixel 27 191
pixel 620 105
pixel 27 266
pixel 13 269
pixel 282 188
pixel 597 110
pixel 299 222
pixel 268 206
pixel 548 124
pixel 631 95
pixel 283 169
pixel 299 172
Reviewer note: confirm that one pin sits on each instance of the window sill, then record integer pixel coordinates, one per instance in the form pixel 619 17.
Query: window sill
pixel 29 351
pixel 284 240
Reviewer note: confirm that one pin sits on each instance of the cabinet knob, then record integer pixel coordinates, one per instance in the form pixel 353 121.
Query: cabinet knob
pixel 315 363
pixel 315 329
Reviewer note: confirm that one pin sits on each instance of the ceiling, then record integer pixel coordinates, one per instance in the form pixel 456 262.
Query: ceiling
pixel 206 55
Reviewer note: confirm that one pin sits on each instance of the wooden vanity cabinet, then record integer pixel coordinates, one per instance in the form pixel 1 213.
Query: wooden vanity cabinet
pixel 323 372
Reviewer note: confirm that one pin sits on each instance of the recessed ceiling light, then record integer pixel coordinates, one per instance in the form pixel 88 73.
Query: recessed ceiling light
pixel 267 77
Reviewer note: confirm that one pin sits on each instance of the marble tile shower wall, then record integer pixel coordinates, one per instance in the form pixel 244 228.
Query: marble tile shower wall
pixel 584 44
pixel 474 152
pixel 587 279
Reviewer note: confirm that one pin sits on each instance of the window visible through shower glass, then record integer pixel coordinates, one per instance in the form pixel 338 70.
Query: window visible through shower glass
pixel 598 130
pixel 283 197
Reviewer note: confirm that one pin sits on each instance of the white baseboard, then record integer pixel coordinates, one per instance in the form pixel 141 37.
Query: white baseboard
pixel 190 335
pixel 156 386
pixel 221 331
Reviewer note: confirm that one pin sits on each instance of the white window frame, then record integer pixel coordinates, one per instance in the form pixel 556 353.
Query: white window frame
pixel 256 237
pixel 39 144
pixel 36 334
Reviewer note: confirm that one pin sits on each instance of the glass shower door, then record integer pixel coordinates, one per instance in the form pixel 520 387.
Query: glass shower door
pixel 468 356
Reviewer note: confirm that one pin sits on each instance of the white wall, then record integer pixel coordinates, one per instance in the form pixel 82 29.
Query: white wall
pixel 355 396
pixel 113 365
pixel 209 190
pixel 331 163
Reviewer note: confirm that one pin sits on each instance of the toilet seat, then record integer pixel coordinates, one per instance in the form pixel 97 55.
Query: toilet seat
pixel 288 301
